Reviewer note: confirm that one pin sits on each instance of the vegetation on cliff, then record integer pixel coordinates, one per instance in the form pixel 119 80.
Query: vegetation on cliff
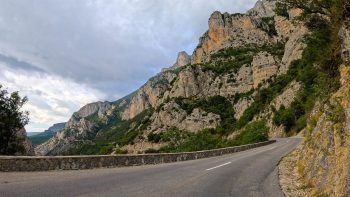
pixel 232 59
pixel 318 67
pixel 182 141
pixel 321 163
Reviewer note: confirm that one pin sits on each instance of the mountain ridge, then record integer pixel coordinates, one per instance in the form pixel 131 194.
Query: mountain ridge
pixel 42 137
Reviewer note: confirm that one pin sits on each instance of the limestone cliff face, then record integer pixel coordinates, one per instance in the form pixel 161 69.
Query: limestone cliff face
pixel 264 66
pixel 99 108
pixel 227 30
pixel 199 82
pixel 321 165
pixel 182 59
pixel 171 115
pixel 322 162
pixel 263 9
pixel 149 95
pixel 294 34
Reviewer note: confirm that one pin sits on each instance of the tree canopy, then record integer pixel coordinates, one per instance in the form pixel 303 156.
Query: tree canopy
pixel 12 119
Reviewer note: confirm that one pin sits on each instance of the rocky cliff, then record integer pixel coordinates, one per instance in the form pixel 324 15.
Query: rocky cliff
pixel 282 69
pixel 236 60
pixel 321 165
pixel 27 144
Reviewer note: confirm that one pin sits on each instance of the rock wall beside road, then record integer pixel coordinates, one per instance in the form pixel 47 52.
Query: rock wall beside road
pixel 13 163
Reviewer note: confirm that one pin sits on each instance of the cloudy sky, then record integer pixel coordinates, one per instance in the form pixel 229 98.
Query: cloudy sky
pixel 64 54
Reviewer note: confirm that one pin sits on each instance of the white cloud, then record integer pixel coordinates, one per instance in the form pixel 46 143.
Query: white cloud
pixel 52 99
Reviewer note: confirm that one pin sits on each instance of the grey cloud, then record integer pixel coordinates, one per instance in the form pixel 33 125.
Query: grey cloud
pixel 114 46
pixel 17 64
pixel 94 49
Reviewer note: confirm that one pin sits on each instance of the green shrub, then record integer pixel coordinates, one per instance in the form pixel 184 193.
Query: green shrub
pixel 282 9
pixel 151 150
pixel 120 151
pixel 204 140
pixel 252 133
pixel 174 135
pixel 284 117
pixel 301 123
pixel 154 137
pixel 106 150
pixel 128 138
pixel 207 139
pixel 336 112
pixel 267 24
pixel 93 118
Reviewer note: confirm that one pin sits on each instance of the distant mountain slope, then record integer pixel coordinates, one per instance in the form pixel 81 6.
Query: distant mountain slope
pixel 53 129
pixel 41 137
pixel 32 133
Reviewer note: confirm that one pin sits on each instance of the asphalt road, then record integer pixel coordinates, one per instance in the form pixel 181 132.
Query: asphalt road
pixel 248 173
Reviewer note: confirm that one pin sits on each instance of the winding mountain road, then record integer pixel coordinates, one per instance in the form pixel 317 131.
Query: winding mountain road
pixel 248 173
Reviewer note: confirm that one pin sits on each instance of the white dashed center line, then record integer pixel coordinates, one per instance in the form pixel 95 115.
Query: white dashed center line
pixel 218 166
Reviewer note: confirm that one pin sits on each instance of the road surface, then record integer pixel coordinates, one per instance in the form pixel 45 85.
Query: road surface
pixel 248 173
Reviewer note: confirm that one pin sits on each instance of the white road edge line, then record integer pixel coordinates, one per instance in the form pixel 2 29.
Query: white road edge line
pixel 218 166
pixel 272 148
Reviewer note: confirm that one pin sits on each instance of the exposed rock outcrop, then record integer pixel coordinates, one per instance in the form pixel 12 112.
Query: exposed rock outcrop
pixel 182 60
pixel 287 96
pixel 241 106
pixel 171 115
pixel 294 33
pixel 149 95
pixel 227 30
pixel 265 8
pixel 27 144
pixel 264 66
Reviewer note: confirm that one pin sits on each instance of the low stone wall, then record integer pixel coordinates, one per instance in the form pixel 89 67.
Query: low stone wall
pixel 23 163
